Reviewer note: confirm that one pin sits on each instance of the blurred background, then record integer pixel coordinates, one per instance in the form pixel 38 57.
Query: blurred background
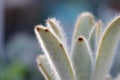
pixel 18 44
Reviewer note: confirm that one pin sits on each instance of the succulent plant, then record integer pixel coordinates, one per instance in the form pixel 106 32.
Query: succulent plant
pixel 90 55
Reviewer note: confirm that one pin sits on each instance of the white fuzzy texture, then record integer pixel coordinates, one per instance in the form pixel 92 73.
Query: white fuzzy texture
pixel 45 51
pixel 83 25
pixel 82 60
pixel 106 49
pixel 94 37
pixel 80 64
pixel 98 31
pixel 56 28
pixel 55 53
pixel 45 68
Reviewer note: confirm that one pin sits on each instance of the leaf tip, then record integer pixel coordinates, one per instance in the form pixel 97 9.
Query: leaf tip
pixel 37 28
pixel 46 30
pixel 80 39
pixel 87 14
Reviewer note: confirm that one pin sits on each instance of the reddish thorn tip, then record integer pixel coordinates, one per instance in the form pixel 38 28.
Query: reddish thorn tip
pixel 80 39
pixel 46 30
pixel 37 28
pixel 61 45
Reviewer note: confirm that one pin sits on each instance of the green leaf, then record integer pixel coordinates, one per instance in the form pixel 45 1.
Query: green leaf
pixel 106 48
pixel 55 52
pixel 82 59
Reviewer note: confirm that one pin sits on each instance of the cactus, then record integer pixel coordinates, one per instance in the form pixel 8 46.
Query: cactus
pixel 90 56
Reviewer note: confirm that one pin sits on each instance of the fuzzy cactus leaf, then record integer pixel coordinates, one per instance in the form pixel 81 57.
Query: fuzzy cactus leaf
pixel 82 59
pixel 94 36
pixel 92 39
pixel 98 31
pixel 45 68
pixel 91 54
pixel 55 51
pixel 56 28
pixel 83 25
pixel 106 48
